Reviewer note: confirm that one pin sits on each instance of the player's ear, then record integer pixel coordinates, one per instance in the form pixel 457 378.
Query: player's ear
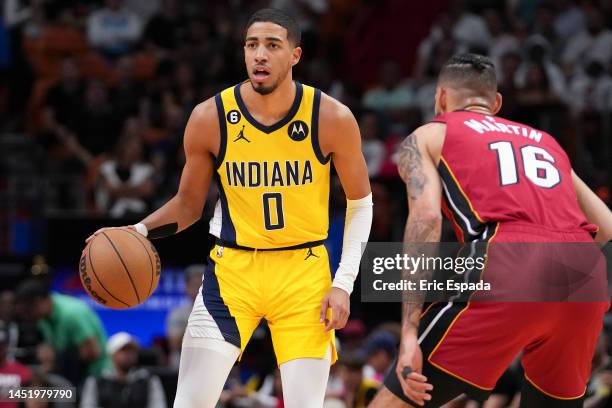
pixel 296 55
pixel 440 103
pixel 498 103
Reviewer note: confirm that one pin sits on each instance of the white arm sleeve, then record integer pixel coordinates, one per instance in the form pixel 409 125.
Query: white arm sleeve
pixel 356 232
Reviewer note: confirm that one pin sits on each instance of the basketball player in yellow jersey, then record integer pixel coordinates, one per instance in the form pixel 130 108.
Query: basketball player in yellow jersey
pixel 268 142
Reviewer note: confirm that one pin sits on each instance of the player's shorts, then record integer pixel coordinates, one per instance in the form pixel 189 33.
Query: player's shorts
pixel 285 287
pixel 468 346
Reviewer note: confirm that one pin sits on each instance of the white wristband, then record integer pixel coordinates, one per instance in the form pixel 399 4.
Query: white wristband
pixel 141 229
pixel 356 232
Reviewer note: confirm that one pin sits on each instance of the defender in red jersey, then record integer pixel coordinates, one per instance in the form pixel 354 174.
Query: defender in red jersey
pixel 497 181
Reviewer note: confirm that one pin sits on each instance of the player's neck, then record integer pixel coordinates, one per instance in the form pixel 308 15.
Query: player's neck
pixel 477 108
pixel 270 108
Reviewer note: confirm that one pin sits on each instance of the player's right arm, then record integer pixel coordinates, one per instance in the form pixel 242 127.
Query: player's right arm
pixel 201 143
pixel 417 166
pixel 596 211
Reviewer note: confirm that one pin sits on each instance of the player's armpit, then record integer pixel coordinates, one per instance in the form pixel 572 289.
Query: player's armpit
pixel 339 136
pixel 595 210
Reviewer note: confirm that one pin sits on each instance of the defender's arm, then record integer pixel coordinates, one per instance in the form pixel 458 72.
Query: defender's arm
pixel 596 211
pixel 417 167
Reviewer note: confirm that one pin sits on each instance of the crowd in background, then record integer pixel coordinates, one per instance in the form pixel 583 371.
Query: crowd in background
pixel 100 90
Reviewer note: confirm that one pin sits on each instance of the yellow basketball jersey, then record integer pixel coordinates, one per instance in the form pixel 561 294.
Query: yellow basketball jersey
pixel 273 180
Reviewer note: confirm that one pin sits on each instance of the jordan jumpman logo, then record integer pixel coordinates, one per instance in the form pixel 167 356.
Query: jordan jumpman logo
pixel 241 136
pixel 310 253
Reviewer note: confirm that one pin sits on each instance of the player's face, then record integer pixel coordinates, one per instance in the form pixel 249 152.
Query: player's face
pixel 268 56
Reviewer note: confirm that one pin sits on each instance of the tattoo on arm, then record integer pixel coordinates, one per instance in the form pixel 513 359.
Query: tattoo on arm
pixel 417 233
pixel 418 230
pixel 410 167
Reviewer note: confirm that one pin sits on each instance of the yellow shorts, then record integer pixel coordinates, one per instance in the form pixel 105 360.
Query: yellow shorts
pixel 286 287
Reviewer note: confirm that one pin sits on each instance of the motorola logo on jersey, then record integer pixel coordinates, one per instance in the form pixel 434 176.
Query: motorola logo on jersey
pixel 297 130
pixel 233 116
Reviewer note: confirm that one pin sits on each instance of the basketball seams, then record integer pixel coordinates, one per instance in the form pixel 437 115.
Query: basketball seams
pixel 98 279
pixel 124 266
pixel 150 260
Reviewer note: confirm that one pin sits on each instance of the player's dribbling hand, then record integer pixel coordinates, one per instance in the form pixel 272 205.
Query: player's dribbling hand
pixel 108 228
pixel 339 302
pixel 414 384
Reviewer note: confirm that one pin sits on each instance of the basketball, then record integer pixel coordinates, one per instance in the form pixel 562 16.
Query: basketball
pixel 119 268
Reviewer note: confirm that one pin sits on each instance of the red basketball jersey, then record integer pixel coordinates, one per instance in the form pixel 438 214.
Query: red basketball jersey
pixel 495 170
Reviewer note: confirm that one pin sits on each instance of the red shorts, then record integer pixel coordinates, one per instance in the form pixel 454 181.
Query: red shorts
pixel 476 342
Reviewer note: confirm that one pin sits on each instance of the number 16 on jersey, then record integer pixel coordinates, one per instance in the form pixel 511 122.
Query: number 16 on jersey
pixel 538 165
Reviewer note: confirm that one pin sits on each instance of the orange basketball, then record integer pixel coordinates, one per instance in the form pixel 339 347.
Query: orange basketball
pixel 119 268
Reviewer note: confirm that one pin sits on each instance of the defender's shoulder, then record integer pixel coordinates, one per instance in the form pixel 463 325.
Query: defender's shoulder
pixel 430 129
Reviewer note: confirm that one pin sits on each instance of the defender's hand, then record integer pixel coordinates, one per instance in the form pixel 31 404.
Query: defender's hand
pixel 408 370
pixel 339 302
pixel 131 227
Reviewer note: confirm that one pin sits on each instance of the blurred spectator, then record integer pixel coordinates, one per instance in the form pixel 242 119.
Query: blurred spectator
pixel 507 69
pixel 98 124
pixel 507 389
pixel 270 394
pixel 599 390
pixel 502 41
pixel 12 373
pixel 69 326
pixel 470 29
pixel 592 43
pixel 145 9
pixel 385 227
pixel 127 91
pixel 392 96
pixel 352 335
pixel 234 392
pixel 358 391
pixel 544 26
pixel 538 52
pixel 41 379
pixel 126 181
pixel 7 316
pixel 591 90
pixel 61 114
pixel 162 31
pixel 440 33
pixel 536 91
pixel 113 30
pixel 176 322
pixel 372 146
pixel 570 19
pixel 124 385
pixel 379 350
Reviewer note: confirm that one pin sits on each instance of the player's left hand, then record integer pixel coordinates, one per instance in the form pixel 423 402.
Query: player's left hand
pixel 339 302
